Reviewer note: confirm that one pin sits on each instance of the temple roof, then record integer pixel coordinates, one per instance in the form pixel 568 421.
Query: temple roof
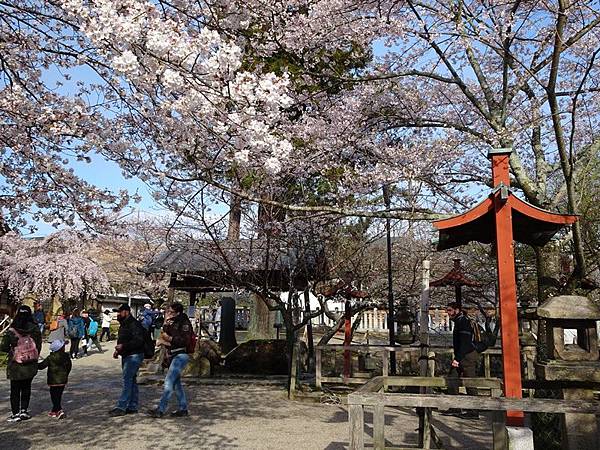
pixel 531 225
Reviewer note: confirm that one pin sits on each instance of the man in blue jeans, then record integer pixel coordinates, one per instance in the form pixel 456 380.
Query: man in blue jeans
pixel 176 337
pixel 130 347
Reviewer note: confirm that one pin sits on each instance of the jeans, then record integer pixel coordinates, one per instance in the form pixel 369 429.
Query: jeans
pixel 56 393
pixel 20 394
pixel 173 382
pixel 130 395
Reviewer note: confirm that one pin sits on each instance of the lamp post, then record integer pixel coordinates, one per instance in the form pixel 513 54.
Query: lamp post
pixel 390 316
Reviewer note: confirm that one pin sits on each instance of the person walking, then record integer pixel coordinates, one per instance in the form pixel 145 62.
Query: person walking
pixel 60 333
pixel 91 332
pixel 106 320
pixel 39 317
pixel 59 366
pixel 23 342
pixel 176 337
pixel 148 317
pixel 76 332
pixel 130 347
pixel 466 357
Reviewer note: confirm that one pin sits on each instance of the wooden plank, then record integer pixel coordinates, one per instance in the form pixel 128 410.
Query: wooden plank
pixel 318 367
pixel 440 382
pixel 357 424
pixel 342 380
pixel 475 402
pixel 373 385
pixel 379 427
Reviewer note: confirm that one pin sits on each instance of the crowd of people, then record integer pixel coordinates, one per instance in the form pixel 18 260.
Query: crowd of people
pixel 137 340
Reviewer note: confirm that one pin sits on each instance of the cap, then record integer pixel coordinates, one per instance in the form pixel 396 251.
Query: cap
pixel 123 307
pixel 24 309
pixel 56 345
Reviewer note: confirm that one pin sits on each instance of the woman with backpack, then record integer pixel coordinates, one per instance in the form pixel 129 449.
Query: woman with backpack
pixel 23 342
pixel 76 332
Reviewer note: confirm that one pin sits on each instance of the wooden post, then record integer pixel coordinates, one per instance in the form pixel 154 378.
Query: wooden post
pixel 507 287
pixel 385 369
pixel 357 424
pixel 424 417
pixel 309 330
pixel 379 427
pixel 486 365
pixel 293 372
pixel 347 339
pixel 318 368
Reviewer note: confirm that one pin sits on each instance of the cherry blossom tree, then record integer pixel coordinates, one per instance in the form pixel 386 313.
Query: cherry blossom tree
pixel 49 268
pixel 270 101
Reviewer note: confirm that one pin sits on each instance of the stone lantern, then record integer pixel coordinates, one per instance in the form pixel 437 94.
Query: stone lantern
pixel 405 322
pixel 569 362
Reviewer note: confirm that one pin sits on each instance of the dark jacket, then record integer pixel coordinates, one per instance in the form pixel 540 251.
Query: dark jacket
pixel 131 336
pixel 462 337
pixel 14 370
pixel 180 330
pixel 59 366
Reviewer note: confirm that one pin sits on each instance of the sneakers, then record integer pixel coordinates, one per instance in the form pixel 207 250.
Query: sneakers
pixel 117 412
pixel 180 413
pixel 155 413
pixel 57 414
pixel 14 418
pixel 24 415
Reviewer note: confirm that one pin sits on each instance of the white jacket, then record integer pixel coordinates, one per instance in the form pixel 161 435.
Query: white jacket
pixel 106 320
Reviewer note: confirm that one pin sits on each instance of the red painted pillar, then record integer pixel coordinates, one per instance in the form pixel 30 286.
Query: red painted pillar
pixel 511 356
pixel 347 338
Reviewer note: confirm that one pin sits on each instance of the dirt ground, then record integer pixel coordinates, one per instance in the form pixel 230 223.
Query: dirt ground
pixel 221 417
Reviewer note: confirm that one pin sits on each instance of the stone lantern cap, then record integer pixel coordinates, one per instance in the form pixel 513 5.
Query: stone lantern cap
pixel 569 307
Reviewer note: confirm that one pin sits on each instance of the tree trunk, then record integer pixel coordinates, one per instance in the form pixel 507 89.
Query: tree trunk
pixel 235 218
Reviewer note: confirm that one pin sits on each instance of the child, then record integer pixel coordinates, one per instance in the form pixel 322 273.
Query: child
pixel 59 366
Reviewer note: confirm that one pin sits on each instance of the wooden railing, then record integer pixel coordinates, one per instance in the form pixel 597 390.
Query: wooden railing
pixel 371 395
pixel 384 353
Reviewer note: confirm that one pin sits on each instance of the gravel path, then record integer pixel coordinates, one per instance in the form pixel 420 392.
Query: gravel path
pixel 222 417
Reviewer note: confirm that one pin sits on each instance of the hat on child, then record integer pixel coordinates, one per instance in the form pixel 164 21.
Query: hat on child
pixel 56 345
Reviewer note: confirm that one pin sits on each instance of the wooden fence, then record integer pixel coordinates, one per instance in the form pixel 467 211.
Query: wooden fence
pixel 371 395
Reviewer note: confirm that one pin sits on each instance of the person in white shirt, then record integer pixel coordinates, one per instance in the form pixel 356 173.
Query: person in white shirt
pixel 106 320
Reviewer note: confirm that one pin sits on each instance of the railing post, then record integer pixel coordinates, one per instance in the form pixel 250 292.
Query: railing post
pixel 378 427
pixel 498 425
pixel 357 425
pixel 385 369
pixel 486 365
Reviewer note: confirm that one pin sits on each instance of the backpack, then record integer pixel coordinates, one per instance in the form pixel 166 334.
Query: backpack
pixel 191 346
pixel 26 350
pixel 481 338
pixel 73 330
pixel 93 328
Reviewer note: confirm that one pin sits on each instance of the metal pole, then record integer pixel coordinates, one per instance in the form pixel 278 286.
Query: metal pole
pixel 390 318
